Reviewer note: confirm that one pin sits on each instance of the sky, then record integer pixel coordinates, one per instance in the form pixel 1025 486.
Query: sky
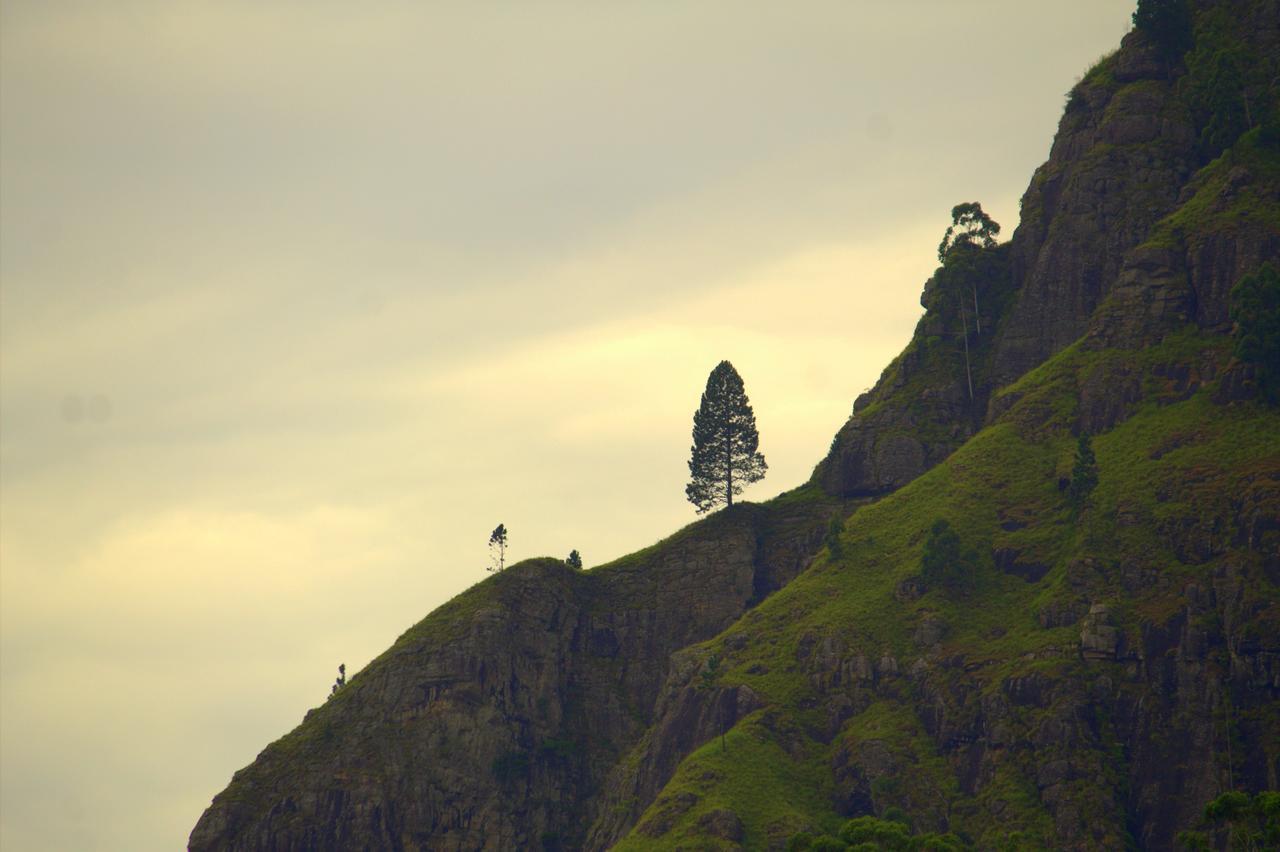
pixel 299 300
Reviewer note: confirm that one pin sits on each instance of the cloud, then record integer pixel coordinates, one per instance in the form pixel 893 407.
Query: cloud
pixel 337 288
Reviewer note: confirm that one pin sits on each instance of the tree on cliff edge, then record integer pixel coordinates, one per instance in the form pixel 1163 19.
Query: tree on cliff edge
pixel 1168 24
pixel 725 454
pixel 971 231
pixel 498 548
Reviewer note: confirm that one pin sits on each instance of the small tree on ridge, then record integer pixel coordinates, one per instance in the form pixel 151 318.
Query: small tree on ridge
pixel 498 548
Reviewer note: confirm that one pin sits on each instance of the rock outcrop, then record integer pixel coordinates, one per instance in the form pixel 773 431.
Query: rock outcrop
pixel 1125 147
pixel 491 724
pixel 1110 669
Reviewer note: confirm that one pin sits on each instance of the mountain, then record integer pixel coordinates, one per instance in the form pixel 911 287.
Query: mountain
pixel 1091 675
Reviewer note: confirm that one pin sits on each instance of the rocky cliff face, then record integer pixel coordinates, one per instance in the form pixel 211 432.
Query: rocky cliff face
pixel 1106 669
pixel 1125 147
pixel 1102 677
pixel 1093 221
pixel 490 725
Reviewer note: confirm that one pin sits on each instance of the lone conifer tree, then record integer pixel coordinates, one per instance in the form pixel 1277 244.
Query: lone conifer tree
pixel 725 455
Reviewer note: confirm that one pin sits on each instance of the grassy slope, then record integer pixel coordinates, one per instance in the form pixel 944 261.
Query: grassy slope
pixel 1175 473
pixel 628 583
pixel 1170 464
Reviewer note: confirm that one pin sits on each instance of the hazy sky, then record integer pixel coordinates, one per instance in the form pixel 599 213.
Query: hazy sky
pixel 300 299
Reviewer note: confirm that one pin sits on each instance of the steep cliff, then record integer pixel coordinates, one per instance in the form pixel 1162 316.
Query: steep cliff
pixel 1100 677
pixel 1096 216
pixel 490 723
pixel 1106 668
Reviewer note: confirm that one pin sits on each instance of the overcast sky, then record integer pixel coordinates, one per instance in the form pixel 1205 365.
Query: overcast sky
pixel 301 299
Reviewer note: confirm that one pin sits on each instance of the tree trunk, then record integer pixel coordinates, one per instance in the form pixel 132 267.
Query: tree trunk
pixel 965 326
pixel 728 467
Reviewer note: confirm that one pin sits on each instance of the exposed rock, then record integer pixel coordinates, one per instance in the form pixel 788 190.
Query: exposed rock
pixel 1117 164
pixel 476 723
pixel 1011 561
pixel 560 706
pixel 1060 614
pixel 722 823
pixel 667 812
pixel 1218 260
pixel 1099 639
pixel 869 459
pixel 909 589
pixel 930 630
pixel 1151 296
pixel 1239 383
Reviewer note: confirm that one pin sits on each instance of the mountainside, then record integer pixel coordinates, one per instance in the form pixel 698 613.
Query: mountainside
pixel 1088 674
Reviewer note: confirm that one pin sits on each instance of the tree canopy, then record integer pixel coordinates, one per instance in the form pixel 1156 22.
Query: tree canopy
pixel 498 548
pixel 1168 24
pixel 1255 309
pixel 725 455
pixel 1084 474
pixel 970 228
pixel 946 561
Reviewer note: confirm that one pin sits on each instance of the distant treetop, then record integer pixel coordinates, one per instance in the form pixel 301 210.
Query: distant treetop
pixel 970 228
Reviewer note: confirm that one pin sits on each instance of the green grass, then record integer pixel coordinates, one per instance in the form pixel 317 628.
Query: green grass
pixel 774 792
pixel 1173 459
pixel 1214 206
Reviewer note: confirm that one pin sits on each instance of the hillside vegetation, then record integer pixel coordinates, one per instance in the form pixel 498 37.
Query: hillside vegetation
pixel 1085 664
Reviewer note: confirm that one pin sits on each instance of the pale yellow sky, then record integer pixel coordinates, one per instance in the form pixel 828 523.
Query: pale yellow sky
pixel 299 300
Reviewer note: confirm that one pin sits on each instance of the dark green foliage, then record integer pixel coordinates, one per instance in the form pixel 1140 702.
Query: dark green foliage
pixel 554 749
pixel 341 680
pixel 1215 92
pixel 946 562
pixel 1084 474
pixel 498 548
pixel 1269 135
pixel 574 560
pixel 510 766
pixel 725 454
pixel 874 835
pixel 970 228
pixel 1255 310
pixel 1168 24
pixel 963 246
pixel 1228 88
pixel 832 539
pixel 806 842
pixel 710 672
pixel 1249 823
pixel 867 829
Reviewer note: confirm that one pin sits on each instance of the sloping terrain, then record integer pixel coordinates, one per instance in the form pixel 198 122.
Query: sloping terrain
pixel 1087 685
pixel 1092 672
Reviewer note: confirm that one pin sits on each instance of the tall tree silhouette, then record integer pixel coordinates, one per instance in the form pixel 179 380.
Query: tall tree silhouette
pixel 725 455
pixel 498 548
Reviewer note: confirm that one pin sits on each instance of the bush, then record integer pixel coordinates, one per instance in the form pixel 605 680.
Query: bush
pixel 1255 310
pixel 1084 475
pixel 1168 24
pixel 510 766
pixel 946 561
pixel 832 538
